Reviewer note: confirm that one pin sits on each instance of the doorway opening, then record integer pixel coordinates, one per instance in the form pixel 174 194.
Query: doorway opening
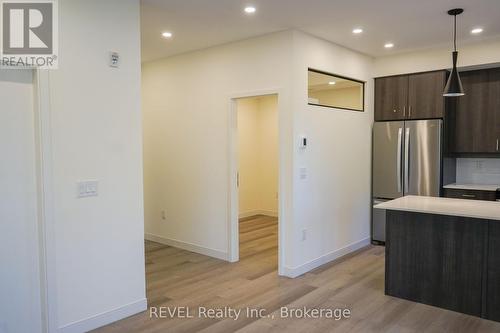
pixel 257 179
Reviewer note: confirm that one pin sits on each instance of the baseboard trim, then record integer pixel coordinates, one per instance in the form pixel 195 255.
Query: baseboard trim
pixel 258 212
pixel 294 272
pixel 187 246
pixel 105 318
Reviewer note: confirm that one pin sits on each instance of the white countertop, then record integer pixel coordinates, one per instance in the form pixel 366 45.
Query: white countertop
pixel 475 187
pixel 445 206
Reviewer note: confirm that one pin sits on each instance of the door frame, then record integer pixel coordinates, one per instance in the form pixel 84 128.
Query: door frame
pixel 233 198
pixel 46 225
pixel 41 144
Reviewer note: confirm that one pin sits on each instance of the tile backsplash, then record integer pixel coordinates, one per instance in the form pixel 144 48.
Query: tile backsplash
pixel 484 171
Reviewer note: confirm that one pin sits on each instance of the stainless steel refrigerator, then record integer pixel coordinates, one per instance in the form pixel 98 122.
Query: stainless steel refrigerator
pixel 407 158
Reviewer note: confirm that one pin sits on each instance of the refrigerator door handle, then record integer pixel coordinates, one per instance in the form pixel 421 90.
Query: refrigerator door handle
pixel 400 145
pixel 407 161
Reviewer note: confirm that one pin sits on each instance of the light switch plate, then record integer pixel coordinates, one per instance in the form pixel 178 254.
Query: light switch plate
pixel 114 59
pixel 303 173
pixel 87 188
pixel 304 234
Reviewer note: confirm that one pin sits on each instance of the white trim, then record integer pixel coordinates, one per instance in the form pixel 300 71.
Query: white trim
pixel 105 318
pixel 40 225
pixel 233 209
pixel 187 246
pixel 233 201
pixel 299 270
pixel 45 198
pixel 258 212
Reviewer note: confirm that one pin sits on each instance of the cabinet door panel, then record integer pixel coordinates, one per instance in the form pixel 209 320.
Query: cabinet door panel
pixel 485 138
pixel 493 291
pixel 494 101
pixel 425 95
pixel 391 95
pixel 493 296
pixel 435 260
pixel 475 127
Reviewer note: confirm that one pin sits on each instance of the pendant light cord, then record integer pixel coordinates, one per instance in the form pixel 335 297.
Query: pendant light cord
pixel 455 33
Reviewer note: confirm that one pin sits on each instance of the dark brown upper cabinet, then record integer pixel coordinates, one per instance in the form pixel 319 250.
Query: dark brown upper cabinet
pixel 391 95
pixel 494 97
pixel 475 126
pixel 425 95
pixel 413 96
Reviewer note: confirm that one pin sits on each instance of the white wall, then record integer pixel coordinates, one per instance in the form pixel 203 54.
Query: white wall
pixel 349 98
pixel 95 122
pixel 333 203
pixel 248 162
pixel 258 155
pixel 187 122
pixel 186 106
pixel 269 153
pixel 20 304
pixel 487 52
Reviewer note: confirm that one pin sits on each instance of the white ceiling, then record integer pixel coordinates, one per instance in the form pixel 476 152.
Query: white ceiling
pixel 409 24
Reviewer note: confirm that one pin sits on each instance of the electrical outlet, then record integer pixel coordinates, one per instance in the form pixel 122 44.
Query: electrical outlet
pixel 304 234
pixel 87 188
pixel 163 215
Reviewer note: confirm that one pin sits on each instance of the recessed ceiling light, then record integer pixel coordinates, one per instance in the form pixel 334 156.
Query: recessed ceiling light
pixel 388 45
pixel 357 31
pixel 332 83
pixel 476 31
pixel 167 34
pixel 250 9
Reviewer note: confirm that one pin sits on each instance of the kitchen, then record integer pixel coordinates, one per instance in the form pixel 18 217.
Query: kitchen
pixel 436 186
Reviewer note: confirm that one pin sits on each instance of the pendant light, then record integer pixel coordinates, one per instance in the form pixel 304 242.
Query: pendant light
pixel 454 85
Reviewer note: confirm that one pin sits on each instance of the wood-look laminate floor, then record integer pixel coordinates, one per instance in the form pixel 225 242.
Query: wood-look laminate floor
pixel 181 278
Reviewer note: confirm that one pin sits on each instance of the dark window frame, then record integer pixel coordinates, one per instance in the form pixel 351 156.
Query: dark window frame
pixel 341 77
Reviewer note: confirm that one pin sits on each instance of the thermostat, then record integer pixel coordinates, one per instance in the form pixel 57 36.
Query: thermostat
pixel 303 142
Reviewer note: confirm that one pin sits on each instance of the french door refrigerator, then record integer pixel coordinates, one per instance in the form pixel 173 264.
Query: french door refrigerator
pixel 406 161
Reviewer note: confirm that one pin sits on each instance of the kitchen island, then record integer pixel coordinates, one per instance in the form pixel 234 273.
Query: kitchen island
pixel 444 252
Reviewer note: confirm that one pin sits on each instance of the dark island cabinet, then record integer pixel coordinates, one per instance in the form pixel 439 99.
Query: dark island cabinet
pixel 410 97
pixel 493 285
pixel 451 262
pixel 435 260
pixel 475 117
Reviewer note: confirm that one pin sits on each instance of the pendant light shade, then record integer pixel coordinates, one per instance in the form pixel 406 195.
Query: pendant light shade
pixel 454 87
